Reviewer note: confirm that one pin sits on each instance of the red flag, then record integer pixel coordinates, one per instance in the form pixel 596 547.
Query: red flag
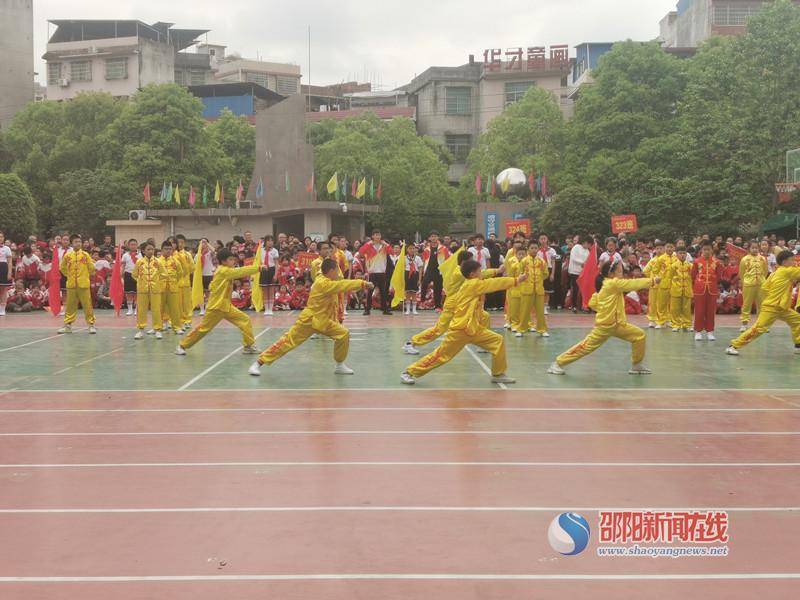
pixel 494 186
pixel 379 195
pixel 310 186
pixel 147 193
pixel 116 289
pixel 532 182
pixel 54 285
pixel 478 184
pixel 544 186
pixel 587 278
pixel 192 197
pixel 355 187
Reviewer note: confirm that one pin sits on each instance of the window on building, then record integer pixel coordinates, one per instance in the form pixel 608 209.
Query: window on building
pixel 197 76
pixel 731 14
pixel 458 100
pixel 286 85
pixel 53 73
pixel 80 70
pixel 459 146
pixel 180 77
pixel 117 68
pixel 259 78
pixel 515 90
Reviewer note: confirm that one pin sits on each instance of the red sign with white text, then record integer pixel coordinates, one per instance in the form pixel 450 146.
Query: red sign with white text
pixel 624 224
pixel 518 226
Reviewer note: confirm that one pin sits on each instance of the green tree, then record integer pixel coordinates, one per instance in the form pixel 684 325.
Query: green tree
pixel 86 199
pixel 17 210
pixel 416 195
pixel 576 210
pixel 236 138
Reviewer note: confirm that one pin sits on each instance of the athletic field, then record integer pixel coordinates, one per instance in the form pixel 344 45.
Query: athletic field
pixel 127 472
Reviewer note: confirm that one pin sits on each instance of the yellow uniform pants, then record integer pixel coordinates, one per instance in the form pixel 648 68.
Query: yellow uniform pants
pixel 442 325
pixel 75 295
pixel 171 308
pixel 652 304
pixel 212 318
pixel 681 312
pixel 599 336
pixel 766 318
pixel 513 316
pixel 662 314
pixel 535 308
pixel 751 295
pixel 186 305
pixel 454 342
pixel 301 331
pixel 152 301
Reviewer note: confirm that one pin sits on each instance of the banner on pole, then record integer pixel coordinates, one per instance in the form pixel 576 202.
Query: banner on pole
pixel 518 226
pixel 624 224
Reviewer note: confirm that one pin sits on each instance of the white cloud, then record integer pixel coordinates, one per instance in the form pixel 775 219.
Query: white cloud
pixel 385 42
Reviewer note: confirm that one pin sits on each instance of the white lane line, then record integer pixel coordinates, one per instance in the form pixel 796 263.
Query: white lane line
pixel 392 409
pixel 52 337
pixel 714 465
pixel 191 382
pixel 304 509
pixel 486 369
pixel 409 577
pixel 392 432
pixel 86 362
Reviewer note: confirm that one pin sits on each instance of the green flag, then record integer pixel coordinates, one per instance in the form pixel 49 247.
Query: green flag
pixel 372 189
pixel 205 196
pixel 170 193
pixel 288 183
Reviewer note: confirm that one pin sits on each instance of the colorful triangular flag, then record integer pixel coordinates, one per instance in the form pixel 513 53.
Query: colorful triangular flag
pixel 217 193
pixel 178 195
pixel 361 191
pixel 205 195
pixel 192 198
pixel 379 195
pixel 260 188
pixel 147 193
pixel 333 185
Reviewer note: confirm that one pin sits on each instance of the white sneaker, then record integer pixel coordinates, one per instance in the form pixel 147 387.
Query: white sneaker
pixel 555 369
pixel 698 337
pixel 659 327
pixel 2 311
pixel 675 329
pixel 407 379
pixel 414 312
pixel 179 332
pixel 532 330
pixel 480 350
pixel 744 328
pixel 202 311
pixel 545 334
pixel 92 330
pixel 151 332
pixel 408 348
pixel 639 369
pixel 506 325
pixel 255 369
pixel 159 335
pixel 731 351
pixel 711 337
pixel 313 336
pixel 547 310
pixel 342 369
pixel 139 335
pixel 505 379
pixel 652 324
pixel 267 313
pixel 690 329
pixel 130 312
pixel 518 334
pixel 65 329
pixel 180 351
pixel 250 350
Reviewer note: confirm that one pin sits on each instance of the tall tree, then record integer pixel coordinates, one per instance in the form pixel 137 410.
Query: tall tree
pixel 17 211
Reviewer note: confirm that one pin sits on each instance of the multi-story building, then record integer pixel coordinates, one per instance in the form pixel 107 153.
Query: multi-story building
pixel 694 21
pixel 331 97
pixel 119 57
pixel 16 46
pixel 455 104
pixel 277 77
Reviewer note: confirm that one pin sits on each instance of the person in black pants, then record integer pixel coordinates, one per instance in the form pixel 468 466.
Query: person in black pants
pixel 376 256
pixel 432 256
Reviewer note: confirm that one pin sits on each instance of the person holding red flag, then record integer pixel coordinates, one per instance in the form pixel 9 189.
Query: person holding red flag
pixel 587 280
pixel 706 275
pixel 115 291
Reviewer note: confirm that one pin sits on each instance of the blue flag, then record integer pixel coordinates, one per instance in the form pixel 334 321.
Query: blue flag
pixel 260 188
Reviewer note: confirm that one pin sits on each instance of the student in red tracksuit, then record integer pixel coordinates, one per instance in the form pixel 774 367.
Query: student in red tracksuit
pixel 706 275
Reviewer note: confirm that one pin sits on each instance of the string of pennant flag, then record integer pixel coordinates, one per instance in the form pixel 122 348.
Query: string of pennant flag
pixel 537 184
pixel 171 194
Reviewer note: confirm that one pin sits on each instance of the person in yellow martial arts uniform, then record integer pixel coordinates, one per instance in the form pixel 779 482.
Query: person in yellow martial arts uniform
pixel 470 325
pixel 753 270
pixel 513 267
pixel 681 292
pixel 326 251
pixel 219 305
pixel 453 280
pixel 171 292
pixel 777 305
pixel 664 298
pixel 654 268
pixel 149 275
pixel 520 241
pixel 185 283
pixel 78 267
pixel 532 293
pixel 609 304
pixel 319 316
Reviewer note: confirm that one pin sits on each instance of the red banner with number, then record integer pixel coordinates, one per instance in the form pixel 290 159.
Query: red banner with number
pixel 518 226
pixel 735 253
pixel 303 260
pixel 624 224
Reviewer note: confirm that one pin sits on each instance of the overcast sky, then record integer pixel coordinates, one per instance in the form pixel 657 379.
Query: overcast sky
pixel 387 43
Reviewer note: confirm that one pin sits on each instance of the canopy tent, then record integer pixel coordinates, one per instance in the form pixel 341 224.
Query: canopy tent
pixel 783 221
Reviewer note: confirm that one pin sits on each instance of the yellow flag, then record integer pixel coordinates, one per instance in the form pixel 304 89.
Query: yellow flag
pixel 505 185
pixel 197 279
pixel 216 194
pixel 333 184
pixel 450 265
pixel 178 195
pixel 398 283
pixel 362 189
pixel 257 297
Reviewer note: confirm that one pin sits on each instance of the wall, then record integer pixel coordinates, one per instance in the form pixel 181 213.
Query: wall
pixel 501 212
pixel 694 25
pixel 492 92
pixel 16 48
pixel 139 230
pixel 156 62
pixel 238 105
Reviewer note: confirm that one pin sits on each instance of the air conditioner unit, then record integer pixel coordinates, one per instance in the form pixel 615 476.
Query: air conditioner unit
pixel 137 215
pixel 63 82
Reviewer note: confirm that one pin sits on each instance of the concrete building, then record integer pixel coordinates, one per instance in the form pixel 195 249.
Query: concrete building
pixel 277 77
pixel 119 57
pixel 242 99
pixel 694 21
pixel 455 104
pixel 586 57
pixel 331 97
pixel 16 48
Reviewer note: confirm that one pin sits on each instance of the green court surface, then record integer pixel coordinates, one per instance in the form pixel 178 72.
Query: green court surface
pixel 36 359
